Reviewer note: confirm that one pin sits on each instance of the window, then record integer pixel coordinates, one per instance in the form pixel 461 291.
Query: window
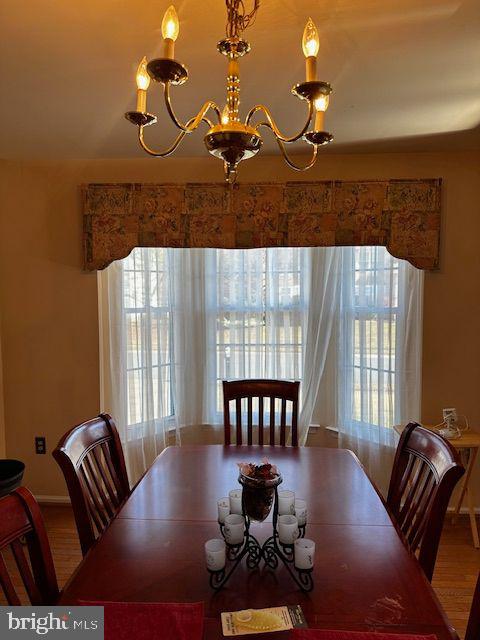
pixel 371 313
pixel 257 311
pixel 190 320
pixel 147 300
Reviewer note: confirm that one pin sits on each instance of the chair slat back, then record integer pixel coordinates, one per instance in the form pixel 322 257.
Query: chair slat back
pixel 268 394
pixel 92 461
pixel 473 627
pixel 23 537
pixel 425 472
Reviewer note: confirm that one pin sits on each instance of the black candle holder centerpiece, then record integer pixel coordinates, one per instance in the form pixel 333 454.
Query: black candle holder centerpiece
pixel 259 494
pixel 273 550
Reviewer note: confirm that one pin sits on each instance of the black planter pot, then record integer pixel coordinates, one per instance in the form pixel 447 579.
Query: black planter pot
pixel 11 474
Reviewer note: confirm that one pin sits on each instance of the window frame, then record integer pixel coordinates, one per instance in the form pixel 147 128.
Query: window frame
pixel 215 308
pixel 350 313
pixel 147 313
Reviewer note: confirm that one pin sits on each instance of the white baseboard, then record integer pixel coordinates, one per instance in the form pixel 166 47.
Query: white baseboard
pixel 52 499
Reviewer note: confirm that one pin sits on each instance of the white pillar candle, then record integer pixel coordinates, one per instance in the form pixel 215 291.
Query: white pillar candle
pixel 223 506
pixel 234 528
pixel 287 529
pixel 301 512
pixel 304 553
pixel 215 554
pixel 286 502
pixel 235 496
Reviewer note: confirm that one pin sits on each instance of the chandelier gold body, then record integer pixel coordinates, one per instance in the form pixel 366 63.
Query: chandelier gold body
pixel 228 137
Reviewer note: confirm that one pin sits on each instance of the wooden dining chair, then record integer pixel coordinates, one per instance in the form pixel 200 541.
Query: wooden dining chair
pixel 267 392
pixel 425 472
pixel 21 530
pixel 473 627
pixel 91 459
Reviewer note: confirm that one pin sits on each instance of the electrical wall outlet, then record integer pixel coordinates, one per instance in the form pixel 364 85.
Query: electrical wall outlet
pixel 40 444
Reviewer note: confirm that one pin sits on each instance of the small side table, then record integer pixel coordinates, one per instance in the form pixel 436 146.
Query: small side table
pixel 468 446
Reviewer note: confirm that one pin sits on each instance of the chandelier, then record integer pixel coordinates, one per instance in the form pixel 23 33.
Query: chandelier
pixel 228 137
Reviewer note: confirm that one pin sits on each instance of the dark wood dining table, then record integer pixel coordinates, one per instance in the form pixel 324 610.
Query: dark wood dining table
pixel 365 579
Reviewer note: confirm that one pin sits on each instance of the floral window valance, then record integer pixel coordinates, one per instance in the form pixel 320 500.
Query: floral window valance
pixel 402 215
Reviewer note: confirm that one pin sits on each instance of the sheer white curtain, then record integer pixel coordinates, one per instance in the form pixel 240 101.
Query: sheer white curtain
pixel 257 303
pixel 321 314
pixel 379 340
pixel 189 314
pixel 174 323
pixel 136 353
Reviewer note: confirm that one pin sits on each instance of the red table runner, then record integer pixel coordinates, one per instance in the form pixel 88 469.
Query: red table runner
pixel 325 634
pixel 144 621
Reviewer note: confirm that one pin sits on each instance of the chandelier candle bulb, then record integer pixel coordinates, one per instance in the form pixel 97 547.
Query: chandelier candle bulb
pixel 170 29
pixel 304 554
pixel 143 82
pixel 286 502
pixel 310 46
pixel 235 499
pixel 321 105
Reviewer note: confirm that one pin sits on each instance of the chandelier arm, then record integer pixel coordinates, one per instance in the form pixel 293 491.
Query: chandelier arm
pixel 271 123
pixel 193 123
pixel 176 142
pixel 291 164
pixel 160 154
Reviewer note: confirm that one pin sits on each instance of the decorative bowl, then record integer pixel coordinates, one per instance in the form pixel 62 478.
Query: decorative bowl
pixel 258 495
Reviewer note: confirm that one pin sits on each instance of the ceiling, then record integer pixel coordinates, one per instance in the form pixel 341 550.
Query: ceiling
pixel 405 73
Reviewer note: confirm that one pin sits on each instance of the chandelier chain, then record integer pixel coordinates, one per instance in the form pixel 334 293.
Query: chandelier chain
pixel 237 17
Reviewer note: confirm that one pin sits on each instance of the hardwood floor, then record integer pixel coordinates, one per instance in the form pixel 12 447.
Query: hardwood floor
pixel 64 542
pixel 456 571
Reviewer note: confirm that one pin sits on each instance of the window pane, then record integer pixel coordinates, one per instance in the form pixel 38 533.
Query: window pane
pixel 258 315
pixel 147 303
pixel 135 352
pixel 370 315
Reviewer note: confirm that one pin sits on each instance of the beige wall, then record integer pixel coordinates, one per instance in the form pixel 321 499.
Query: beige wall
pixel 49 324
pixel 3 449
